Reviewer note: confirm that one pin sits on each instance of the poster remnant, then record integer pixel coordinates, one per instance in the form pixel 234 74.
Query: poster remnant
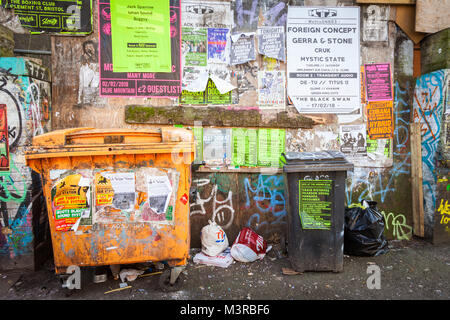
pixel 115 189
pixel 210 14
pixel 156 193
pixel 380 119
pixel 314 203
pixel 378 82
pixel 65 16
pixel 323 59
pixel 140 35
pixel 353 142
pixel 217 146
pixel 242 48
pixel 271 42
pixel 4 144
pixel 271 91
pixel 138 84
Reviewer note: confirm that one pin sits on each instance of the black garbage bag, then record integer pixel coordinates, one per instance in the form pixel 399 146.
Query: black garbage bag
pixel 363 231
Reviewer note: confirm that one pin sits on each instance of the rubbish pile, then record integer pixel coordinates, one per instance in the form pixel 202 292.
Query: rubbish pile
pixel 247 247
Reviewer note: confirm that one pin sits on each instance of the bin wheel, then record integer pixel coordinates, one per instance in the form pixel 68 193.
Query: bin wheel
pixel 164 281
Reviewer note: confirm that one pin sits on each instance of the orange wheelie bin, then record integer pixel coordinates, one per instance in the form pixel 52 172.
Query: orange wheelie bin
pixel 117 196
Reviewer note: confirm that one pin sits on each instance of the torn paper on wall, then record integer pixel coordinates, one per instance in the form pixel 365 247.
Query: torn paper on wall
pixel 271 42
pixel 157 190
pixel 242 48
pixel 207 14
pixel 217 146
pixel 195 79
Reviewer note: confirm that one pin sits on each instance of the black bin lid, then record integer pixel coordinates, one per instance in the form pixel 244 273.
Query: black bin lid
pixel 327 160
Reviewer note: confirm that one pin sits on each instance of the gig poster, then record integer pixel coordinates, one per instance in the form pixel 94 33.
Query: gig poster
pixel 139 84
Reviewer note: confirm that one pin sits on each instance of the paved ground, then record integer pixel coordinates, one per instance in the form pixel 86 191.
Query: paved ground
pixel 410 270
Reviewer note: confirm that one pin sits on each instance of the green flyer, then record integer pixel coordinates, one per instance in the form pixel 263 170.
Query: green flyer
pixel 238 146
pixel 198 136
pixel 251 148
pixel 213 95
pixel 195 40
pixel 314 207
pixel 140 36
pixel 188 97
pixel 271 144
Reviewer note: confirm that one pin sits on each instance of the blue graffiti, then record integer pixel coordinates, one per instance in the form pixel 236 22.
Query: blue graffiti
pixel 372 180
pixel 268 197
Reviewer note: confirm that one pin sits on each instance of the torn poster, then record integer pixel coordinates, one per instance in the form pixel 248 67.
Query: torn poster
pixel 352 140
pixel 71 198
pixel 323 66
pixel 217 146
pixel 195 79
pixel 220 75
pixel 218 45
pixel 157 190
pixel 211 95
pixel 380 119
pixel 245 77
pixel 138 84
pixel 140 36
pixel 61 17
pixel 378 82
pixel 271 92
pixel 206 14
pixel 271 42
pixel 242 48
pixel 194 44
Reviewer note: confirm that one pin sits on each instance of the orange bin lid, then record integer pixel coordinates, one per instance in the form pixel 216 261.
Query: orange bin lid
pixel 91 141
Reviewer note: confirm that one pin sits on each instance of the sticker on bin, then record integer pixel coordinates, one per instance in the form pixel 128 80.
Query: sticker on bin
pixel 184 198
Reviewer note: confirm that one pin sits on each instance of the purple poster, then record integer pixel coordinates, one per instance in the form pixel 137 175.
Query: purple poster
pixel 217 45
pixel 378 82
pixel 138 84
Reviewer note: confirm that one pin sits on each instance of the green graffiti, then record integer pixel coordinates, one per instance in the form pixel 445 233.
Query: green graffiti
pixel 7 183
pixel 400 230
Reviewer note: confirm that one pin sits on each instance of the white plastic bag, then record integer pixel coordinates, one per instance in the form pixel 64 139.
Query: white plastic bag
pixel 214 240
pixel 222 260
